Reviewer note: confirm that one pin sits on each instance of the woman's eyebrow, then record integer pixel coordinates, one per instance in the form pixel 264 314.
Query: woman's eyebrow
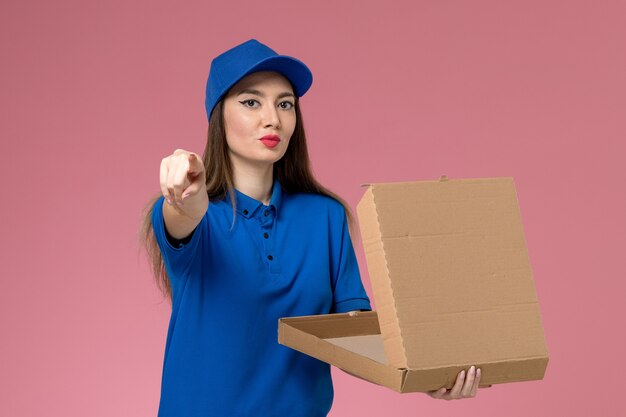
pixel 260 94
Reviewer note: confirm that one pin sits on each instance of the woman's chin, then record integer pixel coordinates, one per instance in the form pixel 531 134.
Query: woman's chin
pixel 271 155
pixel 263 159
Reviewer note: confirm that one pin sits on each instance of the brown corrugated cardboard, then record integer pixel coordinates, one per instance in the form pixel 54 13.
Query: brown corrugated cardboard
pixel 452 284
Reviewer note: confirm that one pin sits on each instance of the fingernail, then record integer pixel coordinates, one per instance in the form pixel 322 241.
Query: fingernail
pixel 472 369
pixel 463 374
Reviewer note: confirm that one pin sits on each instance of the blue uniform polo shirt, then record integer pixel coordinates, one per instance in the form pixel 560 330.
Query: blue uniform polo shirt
pixel 231 283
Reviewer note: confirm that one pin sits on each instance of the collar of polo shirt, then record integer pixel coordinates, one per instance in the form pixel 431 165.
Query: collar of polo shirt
pixel 247 206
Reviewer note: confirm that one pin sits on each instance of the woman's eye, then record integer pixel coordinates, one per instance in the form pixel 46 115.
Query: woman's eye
pixel 286 105
pixel 249 103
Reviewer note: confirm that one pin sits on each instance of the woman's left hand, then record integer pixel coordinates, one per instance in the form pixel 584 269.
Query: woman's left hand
pixel 464 387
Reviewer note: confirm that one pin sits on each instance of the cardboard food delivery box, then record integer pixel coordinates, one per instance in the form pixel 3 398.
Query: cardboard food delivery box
pixel 452 285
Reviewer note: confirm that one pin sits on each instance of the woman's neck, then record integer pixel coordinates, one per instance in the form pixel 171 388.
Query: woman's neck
pixel 254 181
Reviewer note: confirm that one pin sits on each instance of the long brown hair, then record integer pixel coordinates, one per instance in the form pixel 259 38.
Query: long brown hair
pixel 293 171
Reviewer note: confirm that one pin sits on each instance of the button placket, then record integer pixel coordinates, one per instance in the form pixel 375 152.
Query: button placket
pixel 267 219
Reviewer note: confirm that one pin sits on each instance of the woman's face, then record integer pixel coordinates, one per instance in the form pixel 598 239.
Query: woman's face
pixel 259 118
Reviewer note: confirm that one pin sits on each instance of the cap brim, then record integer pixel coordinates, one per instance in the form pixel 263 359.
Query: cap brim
pixel 293 69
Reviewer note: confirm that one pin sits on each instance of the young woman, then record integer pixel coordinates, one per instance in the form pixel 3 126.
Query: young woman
pixel 246 235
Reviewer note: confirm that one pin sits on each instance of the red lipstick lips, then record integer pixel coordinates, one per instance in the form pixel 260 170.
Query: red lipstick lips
pixel 270 140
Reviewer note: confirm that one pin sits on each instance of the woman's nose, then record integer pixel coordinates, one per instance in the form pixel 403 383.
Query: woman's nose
pixel 271 117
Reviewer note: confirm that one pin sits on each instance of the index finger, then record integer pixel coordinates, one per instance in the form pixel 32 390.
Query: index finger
pixel 456 389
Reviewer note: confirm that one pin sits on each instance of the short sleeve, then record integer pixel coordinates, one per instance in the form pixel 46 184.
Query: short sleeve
pixel 348 291
pixel 178 258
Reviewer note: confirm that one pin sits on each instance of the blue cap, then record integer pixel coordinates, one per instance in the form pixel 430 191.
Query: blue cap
pixel 246 58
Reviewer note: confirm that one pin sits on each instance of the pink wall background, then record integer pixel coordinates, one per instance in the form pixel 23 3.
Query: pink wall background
pixel 94 94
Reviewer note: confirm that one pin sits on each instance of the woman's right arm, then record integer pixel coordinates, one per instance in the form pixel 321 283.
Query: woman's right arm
pixel 182 180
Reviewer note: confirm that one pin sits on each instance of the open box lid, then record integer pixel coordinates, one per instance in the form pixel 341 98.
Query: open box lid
pixel 450 272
